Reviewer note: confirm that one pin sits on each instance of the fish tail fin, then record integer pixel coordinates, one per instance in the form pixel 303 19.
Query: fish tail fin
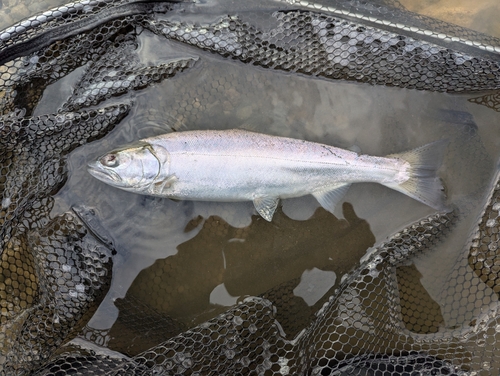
pixel 424 185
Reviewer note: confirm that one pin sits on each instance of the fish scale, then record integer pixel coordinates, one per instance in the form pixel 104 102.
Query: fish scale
pixel 237 165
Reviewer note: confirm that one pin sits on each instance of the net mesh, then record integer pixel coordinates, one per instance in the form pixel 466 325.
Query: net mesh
pixel 378 320
pixel 333 47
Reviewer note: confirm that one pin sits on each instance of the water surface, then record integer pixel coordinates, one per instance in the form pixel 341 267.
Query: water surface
pixel 190 260
pixel 198 246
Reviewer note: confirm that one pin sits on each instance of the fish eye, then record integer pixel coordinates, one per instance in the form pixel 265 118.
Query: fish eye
pixel 110 160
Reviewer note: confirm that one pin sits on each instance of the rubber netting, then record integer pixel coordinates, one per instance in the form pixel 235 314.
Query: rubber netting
pixel 55 270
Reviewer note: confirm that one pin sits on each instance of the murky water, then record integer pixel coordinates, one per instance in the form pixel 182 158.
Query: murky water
pixel 190 260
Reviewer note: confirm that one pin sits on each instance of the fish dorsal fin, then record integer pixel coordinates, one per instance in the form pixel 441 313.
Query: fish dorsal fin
pixel 266 206
pixel 329 197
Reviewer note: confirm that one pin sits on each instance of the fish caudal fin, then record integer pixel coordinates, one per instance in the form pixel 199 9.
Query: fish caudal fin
pixel 424 185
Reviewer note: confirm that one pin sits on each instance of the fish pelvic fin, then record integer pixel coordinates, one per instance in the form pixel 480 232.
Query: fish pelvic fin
pixel 266 206
pixel 329 197
pixel 424 184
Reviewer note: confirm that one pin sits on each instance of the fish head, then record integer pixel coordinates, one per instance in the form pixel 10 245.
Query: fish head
pixel 133 168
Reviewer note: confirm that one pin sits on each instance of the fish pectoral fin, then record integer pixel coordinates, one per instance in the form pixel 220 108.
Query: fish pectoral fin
pixel 266 206
pixel 329 197
pixel 158 186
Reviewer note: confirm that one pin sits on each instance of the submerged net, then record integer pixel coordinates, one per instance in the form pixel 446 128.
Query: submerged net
pixel 378 320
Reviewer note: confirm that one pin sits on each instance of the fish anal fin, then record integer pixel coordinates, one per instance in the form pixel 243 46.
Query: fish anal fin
pixel 329 197
pixel 266 206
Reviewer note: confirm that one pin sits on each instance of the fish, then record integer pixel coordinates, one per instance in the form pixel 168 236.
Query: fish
pixel 239 165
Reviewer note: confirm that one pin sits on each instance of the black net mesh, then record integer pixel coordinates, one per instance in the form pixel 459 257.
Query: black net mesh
pixel 378 319
pixel 322 45
pixel 73 272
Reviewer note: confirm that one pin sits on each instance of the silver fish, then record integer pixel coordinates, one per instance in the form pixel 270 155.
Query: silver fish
pixel 237 165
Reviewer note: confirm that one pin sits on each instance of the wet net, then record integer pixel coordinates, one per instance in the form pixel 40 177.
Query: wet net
pixel 379 319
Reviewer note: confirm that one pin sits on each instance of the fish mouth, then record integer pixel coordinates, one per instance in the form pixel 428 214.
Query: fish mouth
pixel 102 174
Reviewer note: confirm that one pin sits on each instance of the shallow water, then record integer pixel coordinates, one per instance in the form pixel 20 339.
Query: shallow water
pixel 479 15
pixel 221 94
pixel 190 260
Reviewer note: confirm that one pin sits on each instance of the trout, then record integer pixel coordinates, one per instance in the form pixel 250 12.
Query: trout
pixel 238 165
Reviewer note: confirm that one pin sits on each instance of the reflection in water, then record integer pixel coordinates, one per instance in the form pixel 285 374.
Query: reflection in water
pixel 360 320
pixel 261 259
pixel 139 327
pixel 489 100
pixel 449 310
pixel 420 313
